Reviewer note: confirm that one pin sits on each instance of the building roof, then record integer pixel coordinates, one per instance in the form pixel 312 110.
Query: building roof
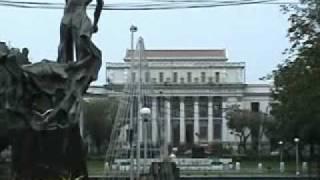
pixel 185 54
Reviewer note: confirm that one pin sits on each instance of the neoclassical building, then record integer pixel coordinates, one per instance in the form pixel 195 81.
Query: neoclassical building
pixel 191 91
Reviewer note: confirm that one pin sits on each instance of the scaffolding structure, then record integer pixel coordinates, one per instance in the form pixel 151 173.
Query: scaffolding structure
pixel 131 150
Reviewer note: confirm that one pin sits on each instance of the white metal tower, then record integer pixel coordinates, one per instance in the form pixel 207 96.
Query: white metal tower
pixel 130 138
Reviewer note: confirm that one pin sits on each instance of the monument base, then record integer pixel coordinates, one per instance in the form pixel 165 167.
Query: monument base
pixel 163 170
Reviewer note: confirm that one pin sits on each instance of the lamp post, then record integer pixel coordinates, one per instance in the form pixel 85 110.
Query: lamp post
pixel 163 128
pixel 280 148
pixel 296 140
pixel 281 161
pixel 145 115
pixel 133 29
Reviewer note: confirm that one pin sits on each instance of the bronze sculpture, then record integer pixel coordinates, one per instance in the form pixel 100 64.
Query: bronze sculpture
pixel 76 28
pixel 41 102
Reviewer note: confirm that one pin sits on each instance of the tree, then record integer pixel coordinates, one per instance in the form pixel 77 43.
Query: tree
pixel 297 90
pixel 4 131
pixel 237 122
pixel 271 131
pixel 99 115
pixel 245 124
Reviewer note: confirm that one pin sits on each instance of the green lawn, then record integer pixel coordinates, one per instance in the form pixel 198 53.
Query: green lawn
pixel 95 167
pixel 268 166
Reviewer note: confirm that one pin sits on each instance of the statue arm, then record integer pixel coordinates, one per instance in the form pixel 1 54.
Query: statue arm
pixel 97 14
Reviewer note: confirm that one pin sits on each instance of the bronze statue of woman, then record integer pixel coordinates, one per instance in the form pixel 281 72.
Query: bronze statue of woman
pixel 76 29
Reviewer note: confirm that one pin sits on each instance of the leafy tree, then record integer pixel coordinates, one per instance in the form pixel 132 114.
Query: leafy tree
pixel 238 123
pixel 245 124
pixel 297 90
pixel 271 131
pixel 4 133
pixel 99 115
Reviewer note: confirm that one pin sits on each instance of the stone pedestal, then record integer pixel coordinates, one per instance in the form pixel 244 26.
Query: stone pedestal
pixel 163 171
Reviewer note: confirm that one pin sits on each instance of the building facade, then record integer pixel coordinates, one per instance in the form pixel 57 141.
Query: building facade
pixel 191 91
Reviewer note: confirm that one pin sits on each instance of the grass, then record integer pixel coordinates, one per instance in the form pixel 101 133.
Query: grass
pixel 95 167
pixel 269 166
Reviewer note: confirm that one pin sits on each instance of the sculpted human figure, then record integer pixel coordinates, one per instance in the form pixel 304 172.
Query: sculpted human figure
pixel 40 103
pixel 76 29
pixel 40 108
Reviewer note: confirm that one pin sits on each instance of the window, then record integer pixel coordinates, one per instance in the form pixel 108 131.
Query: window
pixel 217 77
pixel 161 77
pixel 175 77
pixel 133 76
pixel 189 132
pixel 189 77
pixel 203 107
pixel 160 107
pixel 203 130
pixel 188 107
pixel 175 107
pixel 217 130
pixel 217 106
pixel 147 76
pixel 175 133
pixel 255 107
pixel 203 77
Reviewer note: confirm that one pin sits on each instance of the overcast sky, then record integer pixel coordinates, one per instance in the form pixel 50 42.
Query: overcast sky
pixel 254 34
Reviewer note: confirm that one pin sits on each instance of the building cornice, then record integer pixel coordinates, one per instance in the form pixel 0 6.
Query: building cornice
pixel 166 65
pixel 182 54
pixel 155 59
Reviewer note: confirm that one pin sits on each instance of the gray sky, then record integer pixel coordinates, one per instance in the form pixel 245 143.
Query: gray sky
pixel 254 34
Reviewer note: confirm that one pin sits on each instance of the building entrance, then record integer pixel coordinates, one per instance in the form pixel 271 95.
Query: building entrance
pixel 189 133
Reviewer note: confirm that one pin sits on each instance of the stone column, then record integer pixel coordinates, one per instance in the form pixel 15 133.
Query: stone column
pixel 182 122
pixel 196 127
pixel 168 120
pixel 210 120
pixel 154 120
pixel 224 130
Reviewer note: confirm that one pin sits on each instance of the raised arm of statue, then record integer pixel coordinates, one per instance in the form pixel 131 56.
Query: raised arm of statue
pixel 97 14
